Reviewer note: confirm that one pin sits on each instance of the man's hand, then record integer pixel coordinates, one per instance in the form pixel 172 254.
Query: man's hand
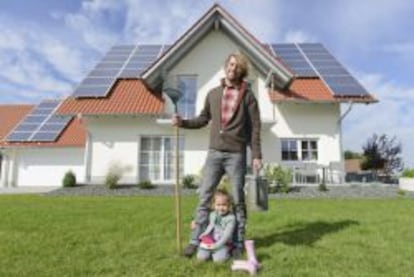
pixel 257 165
pixel 176 120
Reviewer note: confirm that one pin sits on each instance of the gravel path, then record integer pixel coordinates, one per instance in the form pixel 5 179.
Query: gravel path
pixel 348 191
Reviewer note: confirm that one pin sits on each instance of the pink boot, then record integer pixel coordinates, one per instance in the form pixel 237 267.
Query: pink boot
pixel 251 255
pixel 244 265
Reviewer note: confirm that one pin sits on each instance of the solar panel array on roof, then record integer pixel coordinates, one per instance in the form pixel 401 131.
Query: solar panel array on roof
pixel 122 61
pixel 331 71
pixel 41 124
pixel 293 57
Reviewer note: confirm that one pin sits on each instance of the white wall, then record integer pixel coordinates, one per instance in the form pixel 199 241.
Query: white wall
pixel 308 120
pixel 117 141
pixel 206 60
pixel 46 166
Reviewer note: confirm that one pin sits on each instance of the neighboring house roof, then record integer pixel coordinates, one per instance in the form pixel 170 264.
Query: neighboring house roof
pixel 352 165
pixel 73 135
pixel 213 19
pixel 314 90
pixel 126 97
pixel 10 115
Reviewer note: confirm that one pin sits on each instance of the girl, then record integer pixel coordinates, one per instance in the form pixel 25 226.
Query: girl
pixel 216 239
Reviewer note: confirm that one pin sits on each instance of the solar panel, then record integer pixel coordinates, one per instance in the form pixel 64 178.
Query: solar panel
pixel 121 61
pixel 339 80
pixel 41 124
pixel 291 55
pixel 26 127
pixel 45 136
pixel 19 136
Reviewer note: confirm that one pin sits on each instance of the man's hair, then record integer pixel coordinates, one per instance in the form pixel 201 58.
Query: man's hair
pixel 242 69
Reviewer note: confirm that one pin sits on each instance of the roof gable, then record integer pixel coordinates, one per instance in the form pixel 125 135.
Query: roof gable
pixel 218 18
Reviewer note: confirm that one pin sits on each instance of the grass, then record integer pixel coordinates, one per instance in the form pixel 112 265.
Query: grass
pixel 135 236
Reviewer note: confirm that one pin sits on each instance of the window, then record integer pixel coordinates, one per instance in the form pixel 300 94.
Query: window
pixel 299 149
pixel 289 150
pixel 309 150
pixel 187 85
pixel 157 162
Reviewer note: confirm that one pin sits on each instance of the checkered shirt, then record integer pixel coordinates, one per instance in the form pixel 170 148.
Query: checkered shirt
pixel 228 104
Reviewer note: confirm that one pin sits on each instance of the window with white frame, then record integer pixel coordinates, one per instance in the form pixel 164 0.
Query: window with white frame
pixel 157 162
pixel 299 149
pixel 187 85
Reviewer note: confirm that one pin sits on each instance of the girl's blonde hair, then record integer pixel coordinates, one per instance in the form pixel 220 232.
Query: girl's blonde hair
pixel 242 63
pixel 223 193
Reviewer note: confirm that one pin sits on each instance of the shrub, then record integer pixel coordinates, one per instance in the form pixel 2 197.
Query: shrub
pixel 279 176
pixel 146 185
pixel 111 180
pixel 188 182
pixel 69 180
pixel 409 173
pixel 401 192
pixel 113 176
pixel 115 173
pixel 322 187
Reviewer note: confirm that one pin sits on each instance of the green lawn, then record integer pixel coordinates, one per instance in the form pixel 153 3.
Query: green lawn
pixel 135 236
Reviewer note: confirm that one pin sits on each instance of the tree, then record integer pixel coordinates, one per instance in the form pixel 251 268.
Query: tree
pixel 349 155
pixel 382 153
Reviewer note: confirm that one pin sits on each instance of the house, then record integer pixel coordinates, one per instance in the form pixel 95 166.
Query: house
pixel 119 114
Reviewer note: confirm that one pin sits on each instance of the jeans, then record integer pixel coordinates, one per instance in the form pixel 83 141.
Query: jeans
pixel 217 164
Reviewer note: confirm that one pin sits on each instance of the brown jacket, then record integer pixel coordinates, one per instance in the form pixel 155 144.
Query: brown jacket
pixel 235 135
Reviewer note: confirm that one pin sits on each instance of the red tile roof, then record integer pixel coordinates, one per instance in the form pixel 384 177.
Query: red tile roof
pixel 10 115
pixel 312 89
pixel 129 96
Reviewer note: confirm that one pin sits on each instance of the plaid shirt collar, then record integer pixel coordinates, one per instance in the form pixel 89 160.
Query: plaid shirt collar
pixel 230 100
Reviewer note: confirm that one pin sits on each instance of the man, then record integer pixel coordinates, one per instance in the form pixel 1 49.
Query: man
pixel 235 123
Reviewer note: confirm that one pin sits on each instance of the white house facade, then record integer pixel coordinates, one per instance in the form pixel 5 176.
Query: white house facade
pixel 128 127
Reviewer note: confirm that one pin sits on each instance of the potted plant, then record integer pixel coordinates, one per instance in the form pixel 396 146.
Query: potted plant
pixel 406 181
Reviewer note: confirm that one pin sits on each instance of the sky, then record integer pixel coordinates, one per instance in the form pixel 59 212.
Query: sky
pixel 48 46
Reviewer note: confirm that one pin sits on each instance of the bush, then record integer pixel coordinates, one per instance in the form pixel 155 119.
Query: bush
pixel 113 176
pixel 409 173
pixel 279 176
pixel 112 179
pixel 115 173
pixel 188 182
pixel 69 180
pixel 401 192
pixel 322 187
pixel 146 185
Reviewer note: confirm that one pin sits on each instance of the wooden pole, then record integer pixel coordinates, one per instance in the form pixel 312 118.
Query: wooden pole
pixel 177 190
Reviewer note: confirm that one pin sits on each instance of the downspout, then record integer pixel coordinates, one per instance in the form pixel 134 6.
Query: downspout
pixel 4 168
pixel 87 158
pixel 270 80
pixel 341 118
pixel 339 125
pixel 13 169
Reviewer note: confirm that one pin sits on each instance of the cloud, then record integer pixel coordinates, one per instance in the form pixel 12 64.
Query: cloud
pixel 392 116
pixel 103 23
pixel 403 49
pixel 298 36
pixel 38 64
pixel 370 21
pixel 263 19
